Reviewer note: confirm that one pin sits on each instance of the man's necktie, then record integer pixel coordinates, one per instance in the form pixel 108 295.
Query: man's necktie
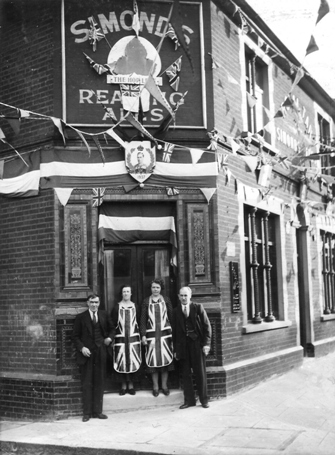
pixel 94 319
pixel 185 310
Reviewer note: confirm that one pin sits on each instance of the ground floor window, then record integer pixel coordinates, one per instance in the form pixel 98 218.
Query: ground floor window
pixel 261 252
pixel 328 270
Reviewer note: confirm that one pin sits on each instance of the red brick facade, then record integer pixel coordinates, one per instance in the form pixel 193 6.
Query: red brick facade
pixel 39 376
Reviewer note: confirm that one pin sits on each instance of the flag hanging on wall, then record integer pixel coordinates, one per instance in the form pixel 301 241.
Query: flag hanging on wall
pixel 19 180
pixel 126 223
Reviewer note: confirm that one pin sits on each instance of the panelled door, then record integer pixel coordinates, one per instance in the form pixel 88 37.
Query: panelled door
pixel 137 265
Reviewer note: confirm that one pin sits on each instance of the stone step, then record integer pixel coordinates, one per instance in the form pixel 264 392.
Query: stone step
pixel 143 399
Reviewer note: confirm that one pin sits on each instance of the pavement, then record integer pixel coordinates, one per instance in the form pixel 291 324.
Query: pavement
pixel 293 413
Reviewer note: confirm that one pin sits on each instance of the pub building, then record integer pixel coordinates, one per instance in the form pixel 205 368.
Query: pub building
pixel 179 140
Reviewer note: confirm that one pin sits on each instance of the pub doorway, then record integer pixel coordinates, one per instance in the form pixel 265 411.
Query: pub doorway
pixel 137 264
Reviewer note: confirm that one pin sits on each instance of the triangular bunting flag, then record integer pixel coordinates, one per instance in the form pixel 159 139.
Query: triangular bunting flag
pixel 279 113
pixel 234 146
pixel 251 100
pixel 24 113
pixel 131 119
pixel 97 143
pixel 59 125
pixel 323 10
pixel 312 46
pixel 153 88
pixel 172 35
pixel 80 134
pixel 231 80
pixel 129 188
pixel 288 102
pixel 208 193
pixel 300 74
pixel 251 162
pixel 136 21
pixel 196 154
pixel 15 124
pixel 64 195
pixel 112 134
pixel 215 64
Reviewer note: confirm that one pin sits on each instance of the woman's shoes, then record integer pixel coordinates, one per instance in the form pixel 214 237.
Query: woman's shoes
pixel 155 393
pixel 166 392
pixel 131 391
pixel 122 392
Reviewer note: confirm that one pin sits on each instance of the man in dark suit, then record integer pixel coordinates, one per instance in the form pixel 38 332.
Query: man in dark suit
pixel 192 334
pixel 92 333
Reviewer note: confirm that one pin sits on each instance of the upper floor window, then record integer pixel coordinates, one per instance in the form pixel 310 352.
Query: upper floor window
pixel 257 93
pixel 261 257
pixel 324 132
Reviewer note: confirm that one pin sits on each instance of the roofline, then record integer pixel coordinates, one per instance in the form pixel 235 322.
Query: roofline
pixel 307 83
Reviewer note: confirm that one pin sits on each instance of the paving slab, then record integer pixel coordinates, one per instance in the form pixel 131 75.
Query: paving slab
pixel 291 414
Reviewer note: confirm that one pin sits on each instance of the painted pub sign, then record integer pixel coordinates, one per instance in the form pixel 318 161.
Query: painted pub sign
pixel 107 62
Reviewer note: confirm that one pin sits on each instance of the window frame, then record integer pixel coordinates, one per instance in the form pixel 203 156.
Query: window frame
pixel 250 47
pixel 251 197
pixel 323 225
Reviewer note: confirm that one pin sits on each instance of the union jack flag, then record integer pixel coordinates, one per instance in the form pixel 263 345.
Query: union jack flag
pixel 159 336
pixel 127 347
pixel 130 90
pixel 168 150
pixel 173 73
pixel 172 34
pixel 98 195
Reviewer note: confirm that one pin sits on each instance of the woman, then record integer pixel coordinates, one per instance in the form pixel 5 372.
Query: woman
pixel 156 333
pixel 127 356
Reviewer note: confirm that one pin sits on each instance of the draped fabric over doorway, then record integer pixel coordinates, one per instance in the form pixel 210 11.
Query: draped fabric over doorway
pixel 127 223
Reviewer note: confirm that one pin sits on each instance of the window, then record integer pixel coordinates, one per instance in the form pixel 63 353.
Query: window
pixel 261 264
pixel 324 133
pixel 257 93
pixel 328 270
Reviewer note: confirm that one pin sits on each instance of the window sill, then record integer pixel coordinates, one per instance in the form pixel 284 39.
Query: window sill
pixel 327 317
pixel 265 326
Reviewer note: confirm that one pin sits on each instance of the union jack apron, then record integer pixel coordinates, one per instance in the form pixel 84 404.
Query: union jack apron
pixel 159 336
pixel 127 355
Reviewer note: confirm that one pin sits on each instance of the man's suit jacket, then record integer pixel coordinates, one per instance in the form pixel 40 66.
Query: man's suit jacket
pixel 83 332
pixel 200 323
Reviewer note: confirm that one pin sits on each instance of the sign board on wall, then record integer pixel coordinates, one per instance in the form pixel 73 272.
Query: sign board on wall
pixel 87 94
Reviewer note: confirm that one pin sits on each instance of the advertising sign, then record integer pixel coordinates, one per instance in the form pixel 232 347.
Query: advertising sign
pixel 106 64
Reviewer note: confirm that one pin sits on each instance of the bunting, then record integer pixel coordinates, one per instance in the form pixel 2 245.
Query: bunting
pixel 323 10
pixel 19 179
pixel 312 46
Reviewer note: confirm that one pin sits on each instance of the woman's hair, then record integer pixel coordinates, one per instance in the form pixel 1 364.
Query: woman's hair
pixel 158 281
pixel 124 286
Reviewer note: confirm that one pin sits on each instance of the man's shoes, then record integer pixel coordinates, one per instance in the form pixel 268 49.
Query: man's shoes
pixel 166 392
pixel 131 392
pixel 205 405
pixel 186 405
pixel 155 393
pixel 86 418
pixel 122 392
pixel 100 416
